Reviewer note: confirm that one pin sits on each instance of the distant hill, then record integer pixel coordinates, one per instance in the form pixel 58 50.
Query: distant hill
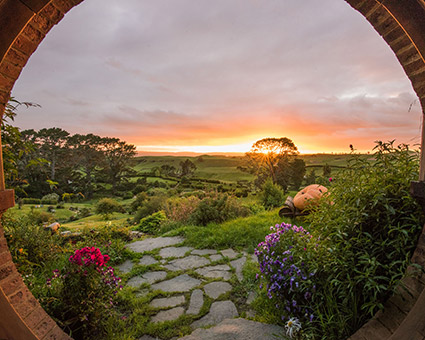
pixel 186 153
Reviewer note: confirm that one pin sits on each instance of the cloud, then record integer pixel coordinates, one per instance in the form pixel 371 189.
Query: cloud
pixel 199 72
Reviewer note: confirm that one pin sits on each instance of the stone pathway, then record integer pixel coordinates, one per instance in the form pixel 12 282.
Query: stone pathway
pixel 188 292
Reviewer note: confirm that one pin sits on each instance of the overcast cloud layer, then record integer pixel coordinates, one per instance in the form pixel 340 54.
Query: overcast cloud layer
pixel 200 72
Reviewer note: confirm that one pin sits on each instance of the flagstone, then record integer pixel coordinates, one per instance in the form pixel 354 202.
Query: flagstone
pixel 196 302
pixel 154 243
pixel 189 262
pixel 182 283
pixel 168 302
pixel 215 272
pixel 174 251
pixel 168 315
pixel 219 311
pixel 215 289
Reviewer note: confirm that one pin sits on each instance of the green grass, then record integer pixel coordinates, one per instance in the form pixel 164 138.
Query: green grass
pixel 212 167
pixel 241 233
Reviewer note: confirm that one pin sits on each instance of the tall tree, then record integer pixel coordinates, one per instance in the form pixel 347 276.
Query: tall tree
pixel 87 160
pixel 117 156
pixel 266 153
pixel 187 168
pixel 52 146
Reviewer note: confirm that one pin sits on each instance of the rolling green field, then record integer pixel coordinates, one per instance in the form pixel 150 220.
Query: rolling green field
pixel 226 168
pixel 210 167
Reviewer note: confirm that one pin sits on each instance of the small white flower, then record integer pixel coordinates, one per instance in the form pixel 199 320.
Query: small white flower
pixel 292 327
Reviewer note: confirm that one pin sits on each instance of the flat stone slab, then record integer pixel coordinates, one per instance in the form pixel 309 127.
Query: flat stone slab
pixel 237 329
pixel 168 315
pixel 167 302
pixel 230 253
pixel 215 289
pixel 174 251
pixel 196 302
pixel 204 252
pixel 149 277
pixel 147 260
pixel 238 265
pixel 215 272
pixel 251 297
pixel 147 337
pixel 126 266
pixel 186 263
pixel 182 283
pixel 218 312
pixel 154 243
pixel 216 257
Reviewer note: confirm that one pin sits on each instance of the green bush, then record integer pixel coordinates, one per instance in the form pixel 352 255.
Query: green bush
pixel 50 199
pixel 151 224
pixel 107 206
pixel 272 195
pixel 180 209
pixel 154 204
pixel 138 202
pixel 370 231
pixel 30 245
pixel 81 296
pixel 31 200
pixel 39 217
pixel 218 208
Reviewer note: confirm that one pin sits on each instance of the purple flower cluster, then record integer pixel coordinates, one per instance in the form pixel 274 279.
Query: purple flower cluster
pixel 282 258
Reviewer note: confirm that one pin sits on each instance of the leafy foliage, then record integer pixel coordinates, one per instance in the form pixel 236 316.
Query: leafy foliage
pixel 151 224
pixel 217 208
pixel 107 206
pixel 272 195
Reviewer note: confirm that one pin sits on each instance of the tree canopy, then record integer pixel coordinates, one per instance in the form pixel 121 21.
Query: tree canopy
pixel 269 155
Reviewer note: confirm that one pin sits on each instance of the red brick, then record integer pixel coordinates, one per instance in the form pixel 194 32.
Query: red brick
pixel 394 34
pixel 407 55
pixel 16 58
pixel 65 5
pixel 388 26
pixel 3 245
pixel 402 300
pixel 12 284
pixel 5 257
pixel 47 18
pixel 358 3
pixel 368 7
pixel 391 317
pixel 6 270
pixel 56 334
pixel 4 97
pixel 10 70
pixel 31 33
pixel 379 16
pixel 25 45
pixel 52 13
pixel 44 328
pixel 36 317
pixel 374 330
pixel 401 44
pixel 418 76
pixel 6 82
pixel 26 306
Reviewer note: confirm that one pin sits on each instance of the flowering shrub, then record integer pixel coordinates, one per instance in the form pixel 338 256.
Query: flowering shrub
pixel 286 263
pixel 81 296
pixel 181 209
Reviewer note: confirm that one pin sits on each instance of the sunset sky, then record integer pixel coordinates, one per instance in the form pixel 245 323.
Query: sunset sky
pixel 215 76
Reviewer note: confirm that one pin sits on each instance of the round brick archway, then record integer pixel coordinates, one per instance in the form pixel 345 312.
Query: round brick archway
pixel 25 23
